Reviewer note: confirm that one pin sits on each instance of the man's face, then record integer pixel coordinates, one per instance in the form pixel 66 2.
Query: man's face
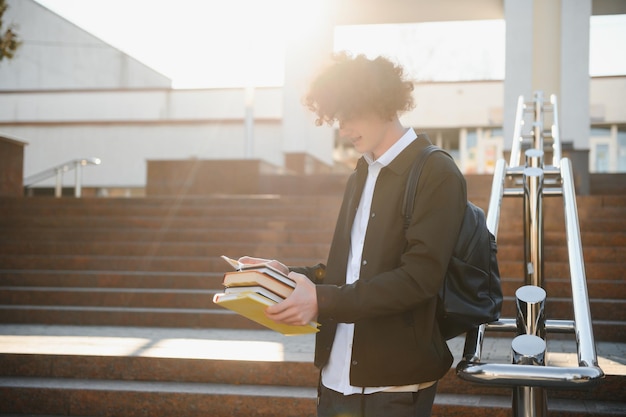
pixel 367 134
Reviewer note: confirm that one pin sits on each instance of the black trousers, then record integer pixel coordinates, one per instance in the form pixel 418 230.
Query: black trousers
pixel 379 404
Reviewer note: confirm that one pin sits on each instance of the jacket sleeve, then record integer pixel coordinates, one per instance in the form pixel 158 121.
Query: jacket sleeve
pixel 315 273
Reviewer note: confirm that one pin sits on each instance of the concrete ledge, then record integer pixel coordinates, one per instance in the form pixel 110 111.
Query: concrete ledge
pixel 11 167
pixel 202 177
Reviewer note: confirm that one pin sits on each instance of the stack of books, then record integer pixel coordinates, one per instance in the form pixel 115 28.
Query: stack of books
pixel 251 288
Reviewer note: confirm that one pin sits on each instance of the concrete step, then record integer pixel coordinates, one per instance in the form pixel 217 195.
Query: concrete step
pixel 113 371
pixel 554 238
pixel 596 245
pixel 111 279
pixel 510 245
pixel 561 270
pixel 591 254
pixel 46 204
pixel 166 298
pixel 602 289
pixel 197 264
pixel 154 263
pixel 109 297
pixel 203 318
pixel 299 222
pixel 165 204
pixel 590 208
pixel 272 206
pixel 195 235
pixel 558 287
pixel 120 398
pixel 562 308
pixel 12 224
pixel 272 250
pixel 209 207
pixel 562 288
pixel 164 399
pixel 157 248
pixel 242 372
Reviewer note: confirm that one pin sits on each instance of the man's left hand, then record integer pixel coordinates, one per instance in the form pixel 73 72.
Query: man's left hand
pixel 300 308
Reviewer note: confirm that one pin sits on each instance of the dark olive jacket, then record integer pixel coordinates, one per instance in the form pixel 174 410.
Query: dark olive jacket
pixel 396 340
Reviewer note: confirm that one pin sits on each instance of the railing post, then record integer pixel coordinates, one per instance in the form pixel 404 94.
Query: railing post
pixel 533 226
pixel 58 188
pixel 531 318
pixel 78 177
pixel 529 401
pixel 58 171
pixel 529 348
pixel 538 124
pixel 556 135
pixel 514 159
pixel 534 158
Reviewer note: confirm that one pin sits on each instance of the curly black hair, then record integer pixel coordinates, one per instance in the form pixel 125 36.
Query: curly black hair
pixel 351 87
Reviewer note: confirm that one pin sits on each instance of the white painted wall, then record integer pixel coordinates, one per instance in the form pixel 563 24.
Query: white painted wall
pixel 462 104
pixel 57 54
pixel 123 106
pixel 95 101
pixel 125 149
pixel 608 99
pixel 127 128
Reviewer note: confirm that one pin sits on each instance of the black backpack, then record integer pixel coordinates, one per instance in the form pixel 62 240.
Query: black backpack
pixel 471 292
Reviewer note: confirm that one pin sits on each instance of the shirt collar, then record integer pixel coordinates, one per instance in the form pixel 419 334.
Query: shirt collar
pixel 395 149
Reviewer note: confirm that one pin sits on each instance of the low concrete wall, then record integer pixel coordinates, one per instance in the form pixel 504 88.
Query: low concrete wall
pixel 203 177
pixel 608 184
pixel 11 167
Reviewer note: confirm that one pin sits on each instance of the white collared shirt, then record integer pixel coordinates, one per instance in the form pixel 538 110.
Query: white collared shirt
pixel 336 373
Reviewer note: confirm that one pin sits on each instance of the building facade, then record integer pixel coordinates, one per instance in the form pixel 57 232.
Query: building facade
pixel 92 100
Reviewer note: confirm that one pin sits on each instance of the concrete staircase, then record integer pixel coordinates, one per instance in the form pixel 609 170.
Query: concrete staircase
pixel 81 267
pixel 139 371
pixel 145 262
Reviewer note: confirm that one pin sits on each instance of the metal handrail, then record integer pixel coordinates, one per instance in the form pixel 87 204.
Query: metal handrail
pixel 587 373
pixel 58 172
pixel 517 132
pixel 582 315
pixel 539 108
pixel 495 200
pixel 556 135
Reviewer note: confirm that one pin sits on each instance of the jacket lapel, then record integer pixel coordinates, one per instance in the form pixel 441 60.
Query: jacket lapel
pixel 355 194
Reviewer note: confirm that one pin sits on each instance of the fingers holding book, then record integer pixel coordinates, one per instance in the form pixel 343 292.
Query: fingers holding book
pixel 300 307
pixel 257 284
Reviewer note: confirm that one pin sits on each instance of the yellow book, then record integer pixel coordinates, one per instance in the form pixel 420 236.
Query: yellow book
pixel 252 306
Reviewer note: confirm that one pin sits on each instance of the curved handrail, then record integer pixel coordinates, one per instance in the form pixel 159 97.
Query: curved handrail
pixel 514 159
pixel 582 315
pixel 556 135
pixel 495 200
pixel 59 170
pixel 587 373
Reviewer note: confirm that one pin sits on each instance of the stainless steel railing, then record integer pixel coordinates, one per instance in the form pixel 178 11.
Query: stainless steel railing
pixel 540 111
pixel 532 180
pixel 58 171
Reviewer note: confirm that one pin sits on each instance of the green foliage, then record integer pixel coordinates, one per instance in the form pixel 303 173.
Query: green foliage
pixel 9 41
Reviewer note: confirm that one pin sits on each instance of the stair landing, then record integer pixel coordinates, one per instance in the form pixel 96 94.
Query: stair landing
pixel 211 364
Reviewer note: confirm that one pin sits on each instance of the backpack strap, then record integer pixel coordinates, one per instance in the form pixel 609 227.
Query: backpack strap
pixel 411 184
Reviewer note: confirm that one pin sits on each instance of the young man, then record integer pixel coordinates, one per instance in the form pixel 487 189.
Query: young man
pixel 379 347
